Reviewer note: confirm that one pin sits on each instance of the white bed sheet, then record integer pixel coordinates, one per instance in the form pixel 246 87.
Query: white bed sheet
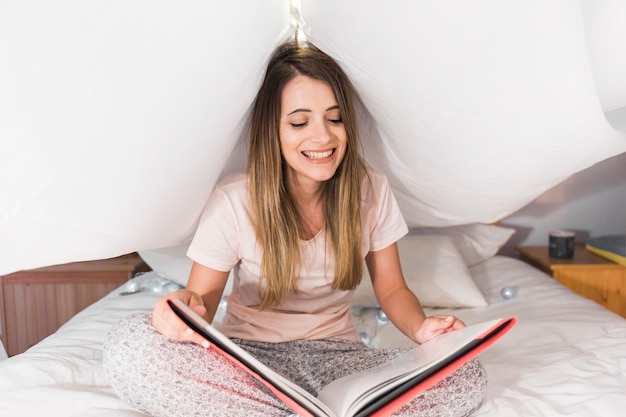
pixel 566 356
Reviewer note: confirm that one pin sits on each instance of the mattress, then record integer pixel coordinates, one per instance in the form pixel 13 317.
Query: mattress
pixel 565 357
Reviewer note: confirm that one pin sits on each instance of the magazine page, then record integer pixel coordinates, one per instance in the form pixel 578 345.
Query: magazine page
pixel 364 392
pixel 348 395
pixel 292 394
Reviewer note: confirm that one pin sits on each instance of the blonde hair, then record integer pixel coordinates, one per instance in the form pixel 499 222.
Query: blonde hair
pixel 277 221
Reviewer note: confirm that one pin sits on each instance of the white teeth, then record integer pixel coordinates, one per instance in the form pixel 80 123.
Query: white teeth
pixel 318 155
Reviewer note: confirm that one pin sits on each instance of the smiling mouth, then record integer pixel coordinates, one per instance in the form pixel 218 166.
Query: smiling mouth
pixel 318 155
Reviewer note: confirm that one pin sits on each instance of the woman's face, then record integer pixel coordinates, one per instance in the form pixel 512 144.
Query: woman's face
pixel 312 135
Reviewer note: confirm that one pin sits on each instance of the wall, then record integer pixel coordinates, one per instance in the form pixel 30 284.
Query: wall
pixel 591 203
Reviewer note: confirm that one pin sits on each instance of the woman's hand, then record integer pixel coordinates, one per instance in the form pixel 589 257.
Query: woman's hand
pixel 166 322
pixel 436 325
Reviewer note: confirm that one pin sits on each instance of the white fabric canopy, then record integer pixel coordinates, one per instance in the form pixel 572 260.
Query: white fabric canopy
pixel 118 117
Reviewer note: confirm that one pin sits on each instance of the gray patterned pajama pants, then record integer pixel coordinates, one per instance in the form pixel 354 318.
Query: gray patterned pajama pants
pixel 164 378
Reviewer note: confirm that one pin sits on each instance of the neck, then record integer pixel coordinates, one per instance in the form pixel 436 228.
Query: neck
pixel 310 207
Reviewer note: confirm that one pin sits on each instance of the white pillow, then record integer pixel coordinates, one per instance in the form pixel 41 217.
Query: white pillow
pixel 434 270
pixel 476 242
pixel 172 263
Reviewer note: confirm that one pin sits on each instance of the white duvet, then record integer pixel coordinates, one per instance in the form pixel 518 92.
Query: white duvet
pixel 565 357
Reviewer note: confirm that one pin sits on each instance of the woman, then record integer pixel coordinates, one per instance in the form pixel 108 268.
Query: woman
pixel 295 229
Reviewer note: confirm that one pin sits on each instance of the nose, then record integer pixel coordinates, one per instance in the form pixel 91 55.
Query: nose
pixel 321 132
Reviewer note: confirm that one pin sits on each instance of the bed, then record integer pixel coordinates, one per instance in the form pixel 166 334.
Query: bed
pixel 565 357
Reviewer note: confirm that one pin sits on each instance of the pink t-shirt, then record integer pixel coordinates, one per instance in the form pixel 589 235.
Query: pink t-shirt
pixel 225 239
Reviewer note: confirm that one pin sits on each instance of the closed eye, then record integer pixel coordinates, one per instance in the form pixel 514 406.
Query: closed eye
pixel 297 125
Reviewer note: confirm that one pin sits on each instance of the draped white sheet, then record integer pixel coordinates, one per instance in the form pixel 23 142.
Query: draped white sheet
pixel 473 108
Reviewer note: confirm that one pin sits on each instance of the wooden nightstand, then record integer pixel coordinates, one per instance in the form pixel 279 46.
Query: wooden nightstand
pixel 35 303
pixel 587 274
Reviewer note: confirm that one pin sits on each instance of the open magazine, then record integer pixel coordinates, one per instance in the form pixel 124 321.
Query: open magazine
pixel 378 391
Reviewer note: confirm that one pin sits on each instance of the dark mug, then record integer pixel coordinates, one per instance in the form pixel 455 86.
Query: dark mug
pixel 562 244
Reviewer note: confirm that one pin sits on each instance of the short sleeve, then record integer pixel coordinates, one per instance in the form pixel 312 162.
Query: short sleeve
pixel 381 213
pixel 216 242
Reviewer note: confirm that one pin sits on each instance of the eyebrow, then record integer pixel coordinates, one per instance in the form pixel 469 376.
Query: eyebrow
pixel 335 107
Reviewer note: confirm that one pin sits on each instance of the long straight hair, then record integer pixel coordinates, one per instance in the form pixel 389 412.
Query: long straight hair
pixel 277 221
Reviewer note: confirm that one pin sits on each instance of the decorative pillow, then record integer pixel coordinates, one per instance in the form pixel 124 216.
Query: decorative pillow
pixel 476 242
pixel 434 270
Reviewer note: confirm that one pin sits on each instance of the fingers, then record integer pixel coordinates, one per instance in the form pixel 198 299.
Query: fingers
pixel 166 322
pixel 458 324
pixel 436 325
pixel 198 309
pixel 449 322
pixel 197 339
